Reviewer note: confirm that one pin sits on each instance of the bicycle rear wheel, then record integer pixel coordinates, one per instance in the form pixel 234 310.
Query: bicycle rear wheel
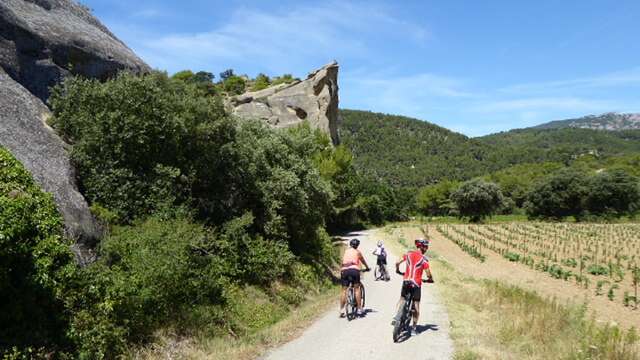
pixel 397 326
pixel 351 307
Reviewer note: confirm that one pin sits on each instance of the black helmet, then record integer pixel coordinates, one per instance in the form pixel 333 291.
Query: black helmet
pixel 422 243
pixel 354 243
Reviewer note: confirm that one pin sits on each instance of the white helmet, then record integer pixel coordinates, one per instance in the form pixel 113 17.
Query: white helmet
pixel 380 243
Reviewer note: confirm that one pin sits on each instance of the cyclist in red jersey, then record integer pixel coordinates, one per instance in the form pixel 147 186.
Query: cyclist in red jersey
pixel 417 263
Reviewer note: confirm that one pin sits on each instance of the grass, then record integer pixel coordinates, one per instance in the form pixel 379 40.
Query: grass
pixel 493 320
pixel 231 346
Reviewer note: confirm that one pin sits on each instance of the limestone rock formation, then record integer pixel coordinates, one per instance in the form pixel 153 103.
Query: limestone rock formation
pixel 41 42
pixel 24 133
pixel 314 99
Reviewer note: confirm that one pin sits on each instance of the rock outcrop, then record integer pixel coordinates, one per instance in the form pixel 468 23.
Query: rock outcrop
pixel 314 99
pixel 41 42
pixel 23 131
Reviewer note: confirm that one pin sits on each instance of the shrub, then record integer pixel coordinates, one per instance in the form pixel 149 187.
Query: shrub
pixel 613 193
pixel 36 265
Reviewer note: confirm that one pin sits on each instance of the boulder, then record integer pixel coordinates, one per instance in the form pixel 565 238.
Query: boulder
pixel 24 132
pixel 42 41
pixel 314 99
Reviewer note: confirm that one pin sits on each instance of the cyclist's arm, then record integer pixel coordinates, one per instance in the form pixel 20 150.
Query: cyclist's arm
pixel 429 275
pixel 398 264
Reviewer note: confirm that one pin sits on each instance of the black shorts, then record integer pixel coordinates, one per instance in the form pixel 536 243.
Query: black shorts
pixel 350 275
pixel 382 260
pixel 409 287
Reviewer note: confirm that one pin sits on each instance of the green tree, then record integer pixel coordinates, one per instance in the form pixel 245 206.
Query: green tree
pixel 613 193
pixel 234 85
pixel 558 195
pixel 477 199
pixel 262 81
pixel 435 199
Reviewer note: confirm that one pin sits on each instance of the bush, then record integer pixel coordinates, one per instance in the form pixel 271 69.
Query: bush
pixel 434 200
pixel 36 265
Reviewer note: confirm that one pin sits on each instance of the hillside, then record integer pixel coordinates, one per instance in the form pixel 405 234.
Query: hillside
pixel 562 144
pixel 409 152
pixel 607 121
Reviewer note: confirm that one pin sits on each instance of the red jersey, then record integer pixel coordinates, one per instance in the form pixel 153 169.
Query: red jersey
pixel 416 264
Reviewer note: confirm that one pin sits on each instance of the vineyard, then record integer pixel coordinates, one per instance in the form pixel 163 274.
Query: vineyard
pixel 604 258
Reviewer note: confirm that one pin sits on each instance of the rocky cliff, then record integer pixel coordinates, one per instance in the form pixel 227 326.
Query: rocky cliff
pixel 314 99
pixel 608 121
pixel 41 42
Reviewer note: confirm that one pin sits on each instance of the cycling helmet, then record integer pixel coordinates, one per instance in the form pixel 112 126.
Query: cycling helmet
pixel 354 243
pixel 380 243
pixel 422 243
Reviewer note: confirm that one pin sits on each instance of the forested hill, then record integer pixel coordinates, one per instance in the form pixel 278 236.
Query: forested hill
pixel 408 152
pixel 562 144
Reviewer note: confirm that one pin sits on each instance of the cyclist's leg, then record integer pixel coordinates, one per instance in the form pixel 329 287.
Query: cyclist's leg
pixel 358 296
pixel 416 305
pixel 343 294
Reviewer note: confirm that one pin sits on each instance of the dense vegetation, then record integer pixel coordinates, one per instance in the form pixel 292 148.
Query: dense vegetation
pixel 202 208
pixel 407 153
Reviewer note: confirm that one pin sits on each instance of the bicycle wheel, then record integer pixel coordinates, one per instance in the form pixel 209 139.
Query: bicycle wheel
pixel 351 304
pixel 385 274
pixel 397 327
pixel 377 273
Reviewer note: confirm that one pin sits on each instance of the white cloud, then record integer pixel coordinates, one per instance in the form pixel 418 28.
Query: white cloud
pixel 629 77
pixel 281 39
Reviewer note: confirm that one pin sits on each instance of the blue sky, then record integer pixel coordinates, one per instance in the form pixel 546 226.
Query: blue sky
pixel 472 66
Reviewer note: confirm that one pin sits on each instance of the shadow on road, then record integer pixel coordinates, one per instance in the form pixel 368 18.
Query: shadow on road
pixel 426 327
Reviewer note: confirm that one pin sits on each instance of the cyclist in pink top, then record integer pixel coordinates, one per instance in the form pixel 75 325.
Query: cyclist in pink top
pixel 350 273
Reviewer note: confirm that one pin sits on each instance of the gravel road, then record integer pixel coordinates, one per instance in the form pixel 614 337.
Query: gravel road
pixel 370 337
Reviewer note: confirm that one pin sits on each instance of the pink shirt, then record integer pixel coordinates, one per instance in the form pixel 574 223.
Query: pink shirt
pixel 351 259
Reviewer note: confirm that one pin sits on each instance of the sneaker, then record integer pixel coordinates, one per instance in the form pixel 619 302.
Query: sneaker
pixel 414 332
pixel 360 312
pixel 342 314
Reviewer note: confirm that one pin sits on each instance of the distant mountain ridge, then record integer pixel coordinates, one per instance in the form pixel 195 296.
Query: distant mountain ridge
pixel 607 121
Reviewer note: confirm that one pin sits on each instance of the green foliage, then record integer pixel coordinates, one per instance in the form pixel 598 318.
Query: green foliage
pixel 517 181
pixel 558 195
pixel 202 80
pixel 477 199
pixel 234 85
pixel 261 82
pixel 435 199
pixel 36 265
pixel 613 193
pixel 405 152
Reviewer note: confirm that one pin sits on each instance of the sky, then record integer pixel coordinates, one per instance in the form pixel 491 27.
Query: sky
pixel 475 67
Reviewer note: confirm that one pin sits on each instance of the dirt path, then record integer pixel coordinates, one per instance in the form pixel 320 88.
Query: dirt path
pixel 370 337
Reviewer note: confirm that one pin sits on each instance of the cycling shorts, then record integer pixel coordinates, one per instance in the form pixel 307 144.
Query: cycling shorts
pixel 350 275
pixel 411 288
pixel 382 260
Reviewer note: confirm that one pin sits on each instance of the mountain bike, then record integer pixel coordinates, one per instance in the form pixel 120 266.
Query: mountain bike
pixel 402 324
pixel 381 273
pixel 352 304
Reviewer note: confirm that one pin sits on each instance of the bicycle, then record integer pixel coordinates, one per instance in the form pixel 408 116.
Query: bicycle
pixel 404 316
pixel 352 305
pixel 381 273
